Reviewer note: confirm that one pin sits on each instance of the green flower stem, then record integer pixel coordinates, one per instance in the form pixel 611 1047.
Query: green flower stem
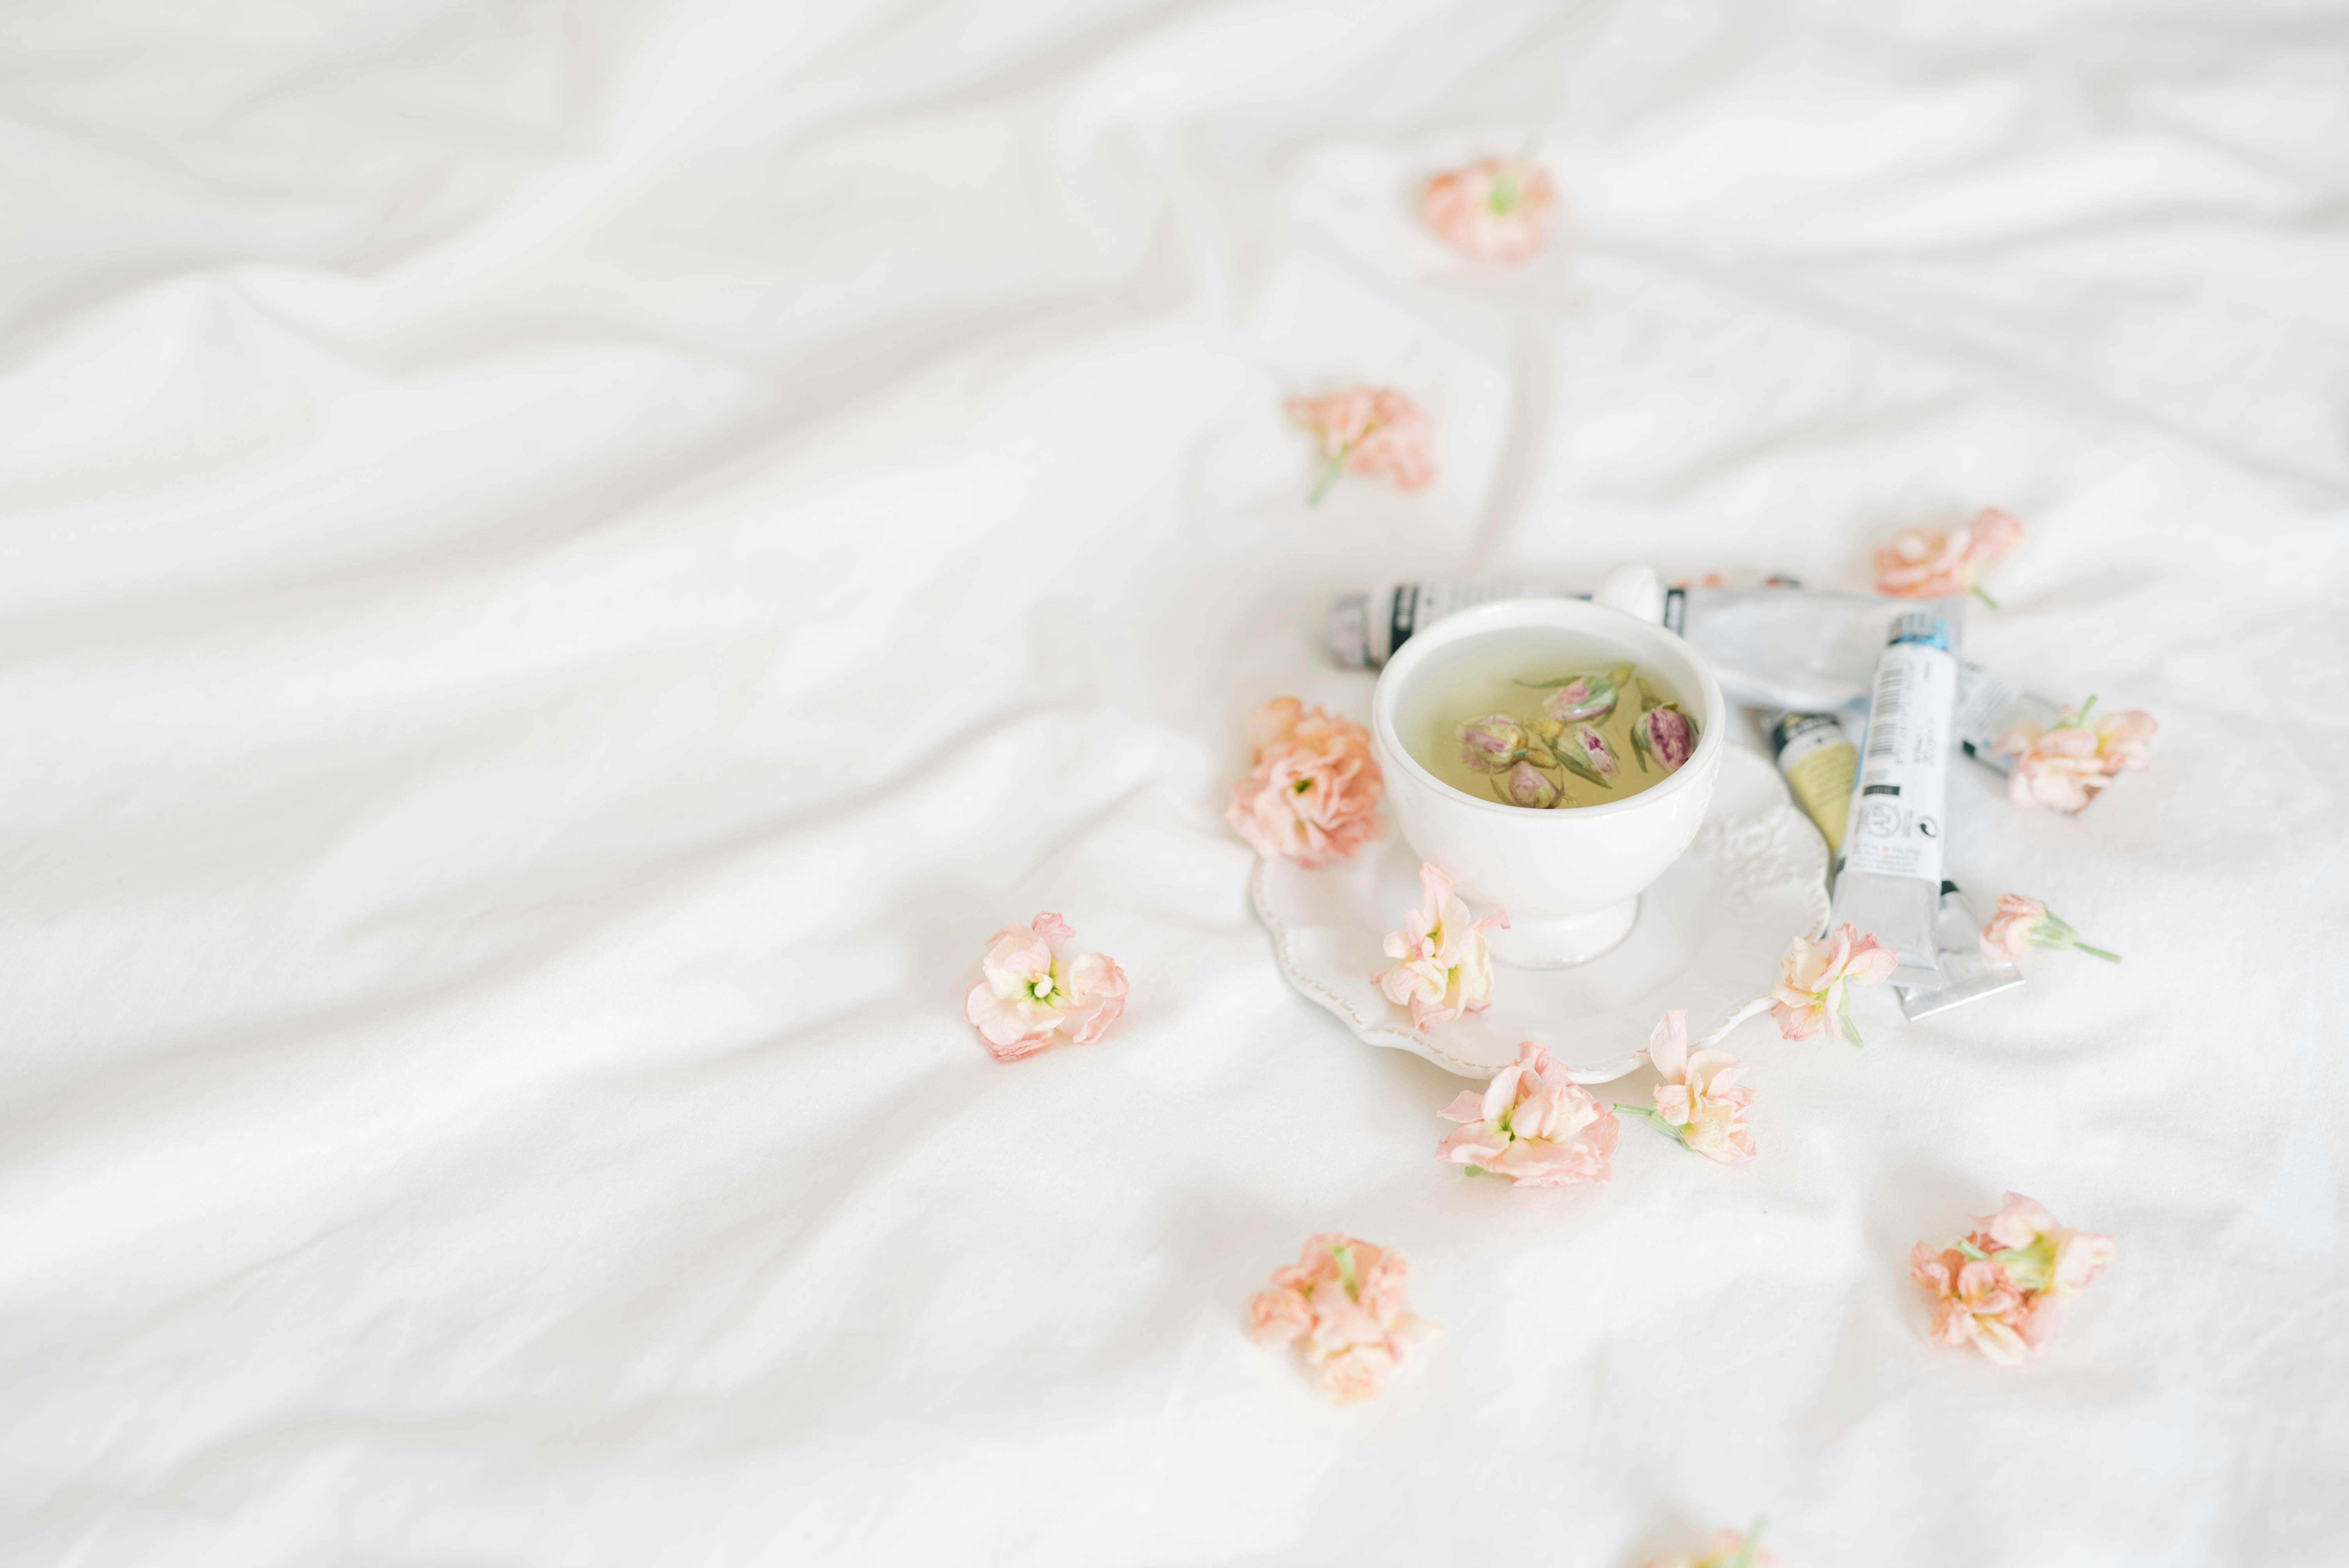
pixel 2097 953
pixel 1976 590
pixel 1330 475
pixel 1655 1116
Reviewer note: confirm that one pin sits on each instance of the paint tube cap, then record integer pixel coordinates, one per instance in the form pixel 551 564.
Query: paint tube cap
pixel 1921 626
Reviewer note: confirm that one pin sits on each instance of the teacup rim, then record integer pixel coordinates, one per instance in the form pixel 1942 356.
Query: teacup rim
pixel 1562 613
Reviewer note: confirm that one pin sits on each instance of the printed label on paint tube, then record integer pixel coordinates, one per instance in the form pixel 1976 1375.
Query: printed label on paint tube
pixel 1897 818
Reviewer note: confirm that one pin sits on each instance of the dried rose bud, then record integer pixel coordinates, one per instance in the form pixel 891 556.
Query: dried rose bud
pixel 1584 751
pixel 1666 734
pixel 1489 745
pixel 1586 699
pixel 1528 785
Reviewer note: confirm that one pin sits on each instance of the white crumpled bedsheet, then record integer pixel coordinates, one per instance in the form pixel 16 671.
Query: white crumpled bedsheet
pixel 562 568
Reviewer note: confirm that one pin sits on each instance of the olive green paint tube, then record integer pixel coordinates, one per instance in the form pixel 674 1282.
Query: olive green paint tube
pixel 1820 764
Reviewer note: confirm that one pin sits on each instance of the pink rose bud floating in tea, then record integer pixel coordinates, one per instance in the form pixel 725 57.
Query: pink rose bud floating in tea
pixel 1584 752
pixel 1526 785
pixel 1565 746
pixel 2022 924
pixel 1491 744
pixel 1587 699
pixel 1666 735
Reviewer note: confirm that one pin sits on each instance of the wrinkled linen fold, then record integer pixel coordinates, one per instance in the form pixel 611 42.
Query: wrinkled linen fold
pixel 562 569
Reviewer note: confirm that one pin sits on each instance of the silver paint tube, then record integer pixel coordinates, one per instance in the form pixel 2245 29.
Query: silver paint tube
pixel 1967 975
pixel 1890 883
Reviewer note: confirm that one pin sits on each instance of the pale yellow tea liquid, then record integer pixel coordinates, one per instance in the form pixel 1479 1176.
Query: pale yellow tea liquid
pixel 1472 679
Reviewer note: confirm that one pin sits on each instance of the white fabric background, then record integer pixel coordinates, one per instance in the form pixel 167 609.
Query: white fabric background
pixel 562 568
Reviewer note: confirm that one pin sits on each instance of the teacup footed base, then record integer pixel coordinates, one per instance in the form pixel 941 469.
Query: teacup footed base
pixel 1563 943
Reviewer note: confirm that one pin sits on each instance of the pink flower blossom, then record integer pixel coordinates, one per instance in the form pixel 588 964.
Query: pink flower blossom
pixel 1919 564
pixel 2022 924
pixel 1374 431
pixel 1974 1302
pixel 1700 1101
pixel 2007 934
pixel 1444 970
pixel 1344 1302
pixel 2070 765
pixel 2039 1254
pixel 1312 791
pixel 1729 1549
pixel 1814 978
pixel 2002 1288
pixel 1031 990
pixel 1495 210
pixel 1533 1125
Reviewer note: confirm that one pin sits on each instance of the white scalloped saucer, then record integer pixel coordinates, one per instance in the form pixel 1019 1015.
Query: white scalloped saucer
pixel 1709 937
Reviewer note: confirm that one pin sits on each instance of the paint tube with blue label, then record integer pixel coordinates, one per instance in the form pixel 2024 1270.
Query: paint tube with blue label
pixel 1890 883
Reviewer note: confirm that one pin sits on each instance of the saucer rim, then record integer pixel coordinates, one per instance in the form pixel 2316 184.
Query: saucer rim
pixel 1390 1035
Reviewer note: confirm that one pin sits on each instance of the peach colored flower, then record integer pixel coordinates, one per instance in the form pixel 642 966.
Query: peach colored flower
pixel 2022 924
pixel 2070 765
pixel 1031 990
pixel 1495 210
pixel 1814 980
pixel 1374 431
pixel 1699 1102
pixel 1729 1549
pixel 1974 1302
pixel 1312 789
pixel 2039 1255
pixel 1344 1302
pixel 1444 970
pixel 1919 564
pixel 2003 1286
pixel 1533 1125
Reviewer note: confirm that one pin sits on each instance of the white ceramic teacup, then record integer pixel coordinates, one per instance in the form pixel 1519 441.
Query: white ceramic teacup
pixel 1569 879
